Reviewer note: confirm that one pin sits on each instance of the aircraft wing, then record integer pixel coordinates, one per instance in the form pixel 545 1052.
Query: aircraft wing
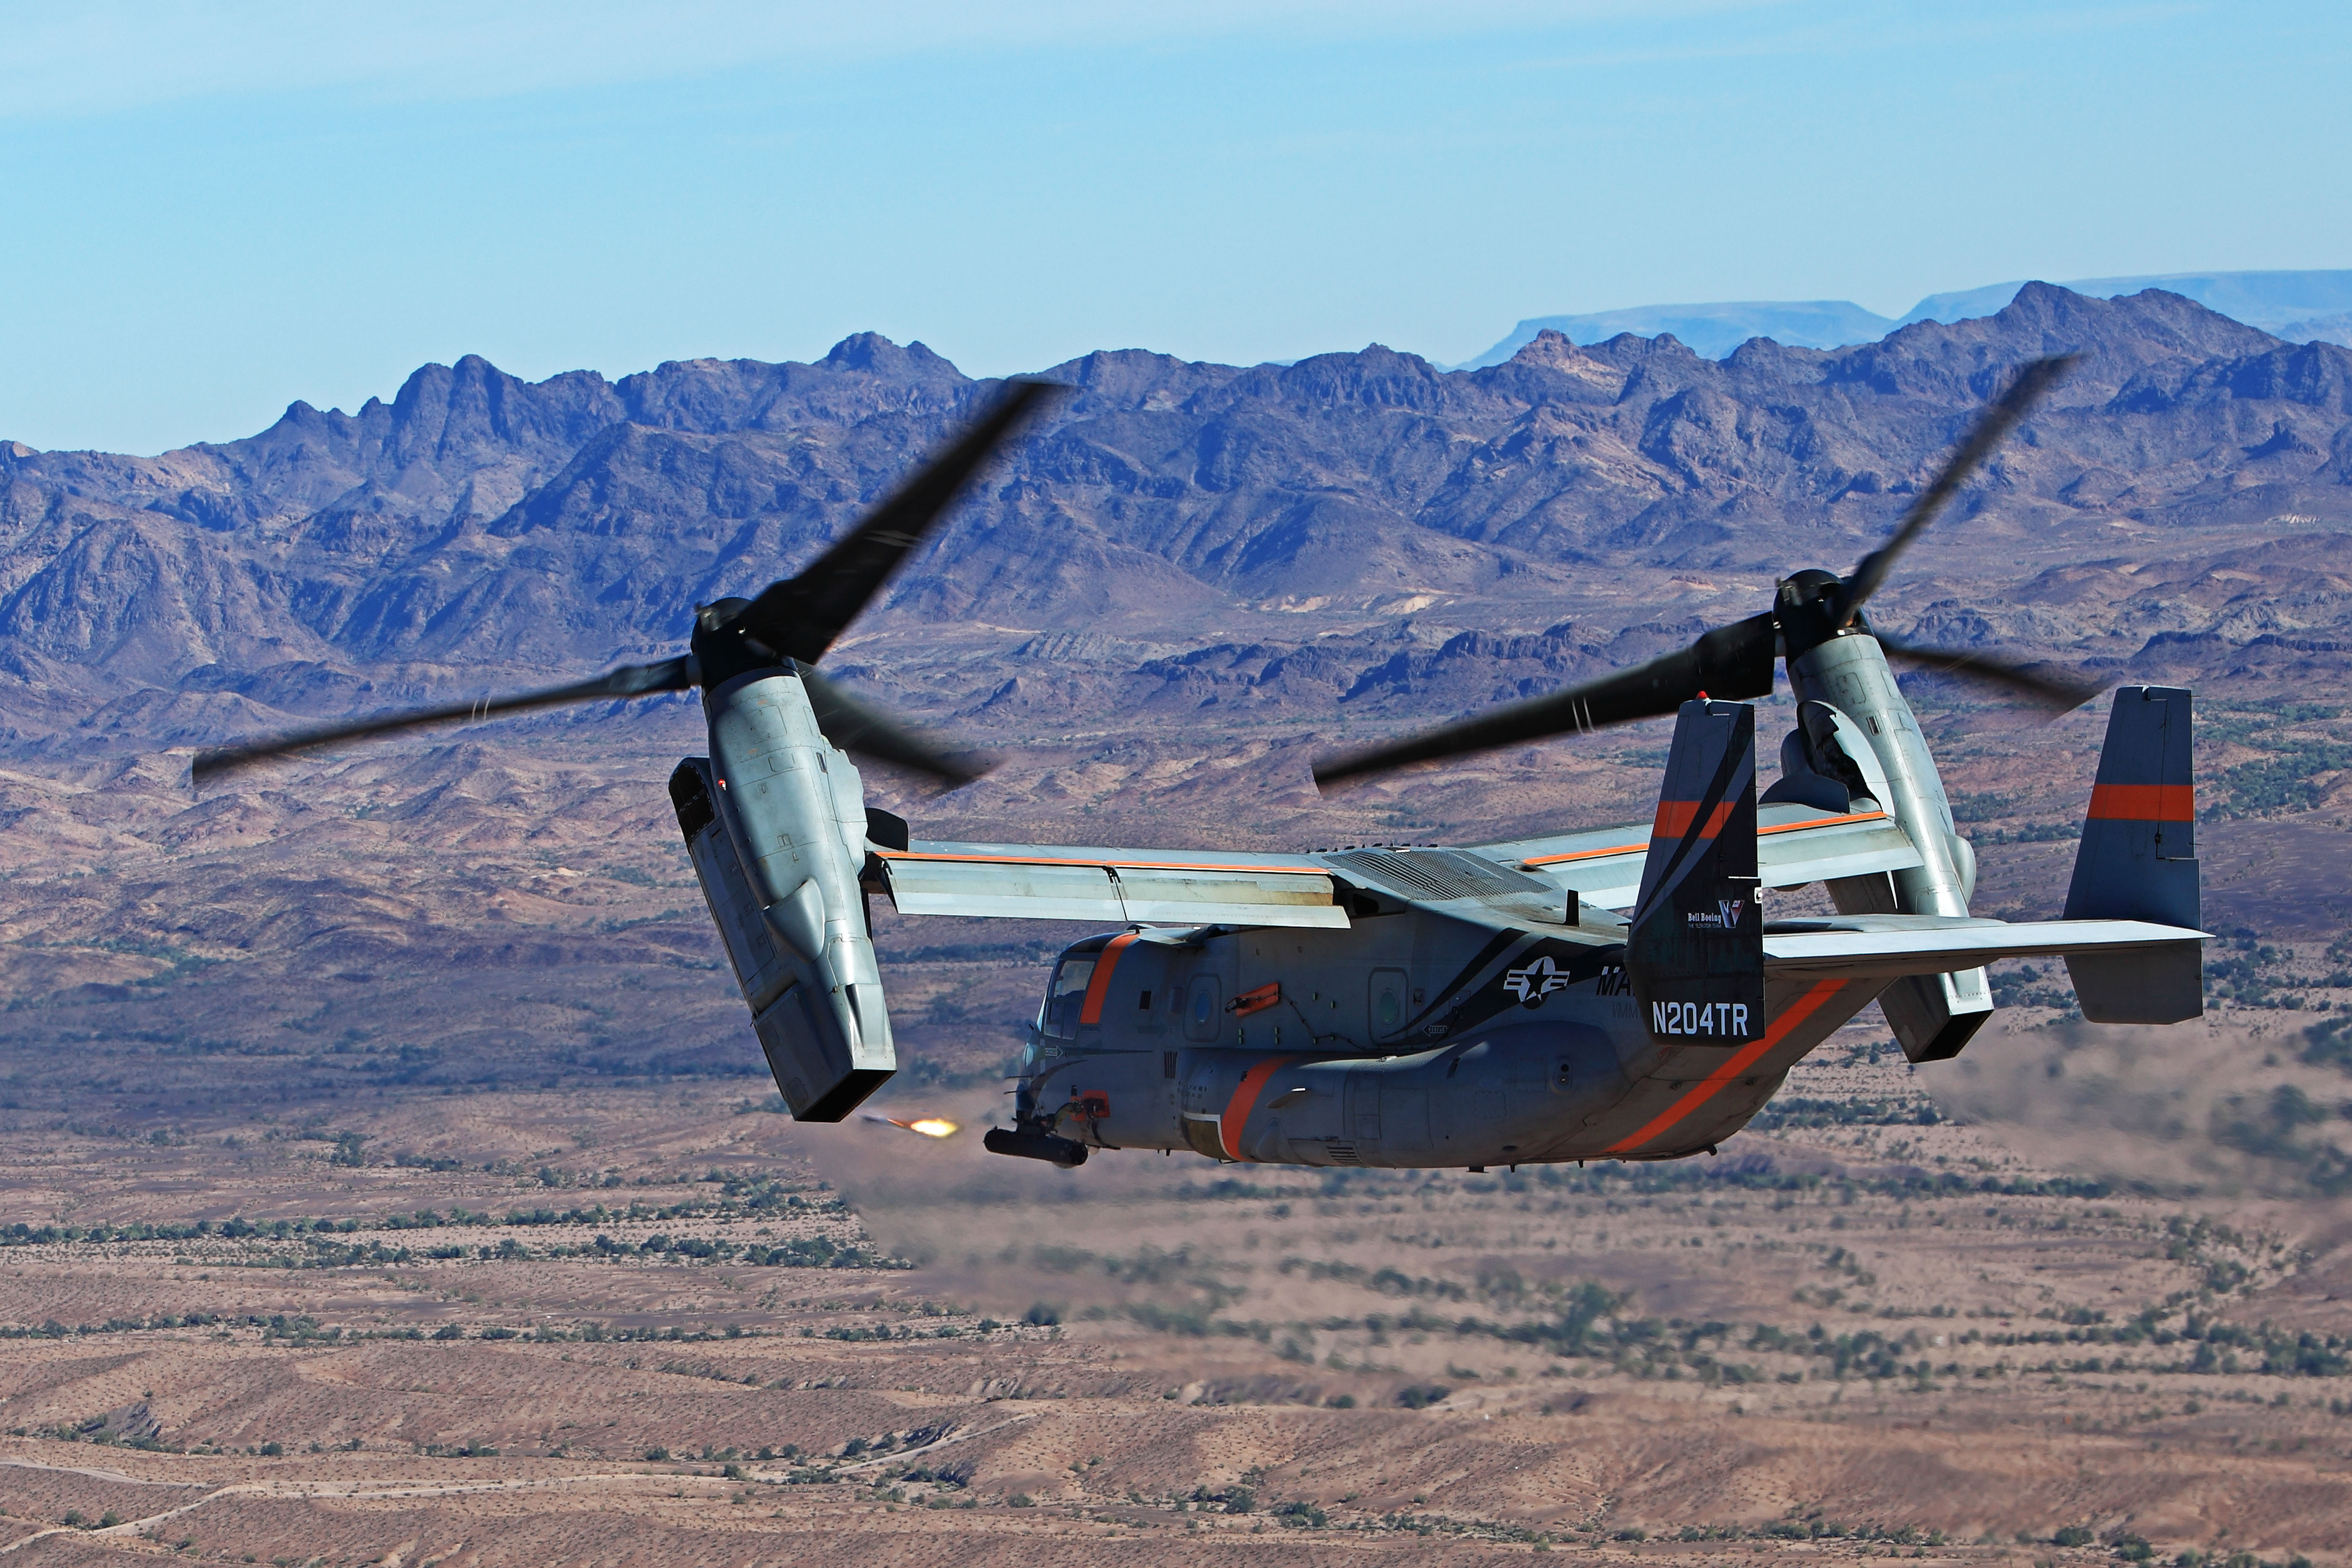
pixel 1794 844
pixel 1886 947
pixel 1147 886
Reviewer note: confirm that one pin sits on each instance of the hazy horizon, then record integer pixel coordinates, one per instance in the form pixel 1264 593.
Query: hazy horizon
pixel 221 210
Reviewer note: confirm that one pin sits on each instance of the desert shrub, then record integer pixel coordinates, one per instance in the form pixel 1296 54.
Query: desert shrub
pixel 2329 1044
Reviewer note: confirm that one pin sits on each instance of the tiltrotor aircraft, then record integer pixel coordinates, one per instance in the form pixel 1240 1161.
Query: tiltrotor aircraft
pixel 1614 993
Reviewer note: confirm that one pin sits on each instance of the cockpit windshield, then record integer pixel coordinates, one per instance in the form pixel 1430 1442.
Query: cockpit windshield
pixel 1067 994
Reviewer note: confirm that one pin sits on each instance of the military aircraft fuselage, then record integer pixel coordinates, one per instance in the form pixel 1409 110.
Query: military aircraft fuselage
pixel 1418 1039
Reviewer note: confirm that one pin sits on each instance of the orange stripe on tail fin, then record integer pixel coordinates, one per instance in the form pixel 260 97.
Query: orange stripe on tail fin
pixel 1674 818
pixel 2144 803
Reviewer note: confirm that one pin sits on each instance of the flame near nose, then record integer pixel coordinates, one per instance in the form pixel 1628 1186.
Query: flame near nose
pixel 929 1126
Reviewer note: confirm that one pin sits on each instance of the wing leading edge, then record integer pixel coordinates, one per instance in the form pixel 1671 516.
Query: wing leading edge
pixel 1129 887
pixel 1794 844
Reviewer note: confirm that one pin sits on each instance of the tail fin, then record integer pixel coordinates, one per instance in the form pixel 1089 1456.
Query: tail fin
pixel 1695 951
pixel 2138 862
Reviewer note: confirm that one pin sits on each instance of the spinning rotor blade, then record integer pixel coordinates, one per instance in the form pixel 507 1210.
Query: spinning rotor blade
pixel 1733 661
pixel 628 680
pixel 2060 693
pixel 800 616
pixel 853 726
pixel 2037 378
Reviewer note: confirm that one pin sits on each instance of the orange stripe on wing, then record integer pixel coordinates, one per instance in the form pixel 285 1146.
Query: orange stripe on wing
pixel 1584 855
pixel 2143 803
pixel 1244 1100
pixel 1822 822
pixel 1706 1089
pixel 1810 822
pixel 1090 1010
pixel 1260 869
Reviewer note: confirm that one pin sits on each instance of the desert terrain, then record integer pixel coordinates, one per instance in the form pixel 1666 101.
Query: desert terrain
pixel 670 1326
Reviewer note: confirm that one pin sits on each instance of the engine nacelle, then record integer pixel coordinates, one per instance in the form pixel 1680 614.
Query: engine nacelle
pixel 1855 727
pixel 775 822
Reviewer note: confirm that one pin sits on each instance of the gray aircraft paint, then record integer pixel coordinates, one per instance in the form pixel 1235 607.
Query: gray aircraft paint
pixel 1932 1015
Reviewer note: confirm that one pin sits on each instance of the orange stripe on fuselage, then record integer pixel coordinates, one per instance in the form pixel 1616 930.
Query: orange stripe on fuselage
pixel 1706 1089
pixel 1244 1100
pixel 1090 1010
pixel 2143 803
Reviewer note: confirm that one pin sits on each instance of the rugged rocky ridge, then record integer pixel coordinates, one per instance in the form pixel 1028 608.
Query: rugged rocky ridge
pixel 1366 507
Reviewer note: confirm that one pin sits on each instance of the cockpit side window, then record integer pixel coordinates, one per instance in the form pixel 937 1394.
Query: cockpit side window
pixel 1068 993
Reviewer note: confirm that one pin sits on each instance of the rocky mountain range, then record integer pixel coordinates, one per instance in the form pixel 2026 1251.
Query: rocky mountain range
pixel 1336 534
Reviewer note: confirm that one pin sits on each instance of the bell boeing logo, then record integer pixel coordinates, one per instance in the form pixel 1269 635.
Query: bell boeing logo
pixel 1536 982
pixel 1725 916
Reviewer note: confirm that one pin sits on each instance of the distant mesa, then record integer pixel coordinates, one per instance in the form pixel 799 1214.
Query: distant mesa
pixel 1711 330
pixel 2300 307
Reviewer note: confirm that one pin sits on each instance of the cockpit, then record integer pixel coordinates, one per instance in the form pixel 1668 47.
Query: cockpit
pixel 1065 995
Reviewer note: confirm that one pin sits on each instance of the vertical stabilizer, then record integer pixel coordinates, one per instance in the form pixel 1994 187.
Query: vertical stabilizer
pixel 2138 862
pixel 1696 951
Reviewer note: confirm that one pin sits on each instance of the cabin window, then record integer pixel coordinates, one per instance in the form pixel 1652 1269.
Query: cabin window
pixel 1202 1020
pixel 1067 994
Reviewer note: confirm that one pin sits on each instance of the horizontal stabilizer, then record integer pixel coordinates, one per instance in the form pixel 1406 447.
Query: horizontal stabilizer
pixel 1887 947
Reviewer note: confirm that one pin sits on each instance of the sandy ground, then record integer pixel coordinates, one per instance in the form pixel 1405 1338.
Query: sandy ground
pixel 1894 1336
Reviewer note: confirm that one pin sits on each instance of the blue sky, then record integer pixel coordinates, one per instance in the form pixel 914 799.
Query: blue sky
pixel 212 210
